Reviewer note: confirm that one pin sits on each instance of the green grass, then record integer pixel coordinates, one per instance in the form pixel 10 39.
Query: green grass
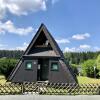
pixel 86 80
pixel 2 79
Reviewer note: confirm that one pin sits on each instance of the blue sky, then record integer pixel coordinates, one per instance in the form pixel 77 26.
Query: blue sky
pixel 75 24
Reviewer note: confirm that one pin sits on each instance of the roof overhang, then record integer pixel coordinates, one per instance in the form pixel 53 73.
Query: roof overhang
pixel 28 56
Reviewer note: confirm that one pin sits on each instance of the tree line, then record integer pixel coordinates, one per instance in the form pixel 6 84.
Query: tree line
pixel 80 57
pixel 16 54
pixel 71 57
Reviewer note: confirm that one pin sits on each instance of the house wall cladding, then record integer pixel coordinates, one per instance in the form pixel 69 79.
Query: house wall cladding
pixel 23 75
pixel 62 74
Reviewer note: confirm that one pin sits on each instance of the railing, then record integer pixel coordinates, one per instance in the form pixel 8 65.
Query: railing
pixel 49 89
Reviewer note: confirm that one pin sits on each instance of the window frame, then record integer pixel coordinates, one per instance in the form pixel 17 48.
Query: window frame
pixel 26 63
pixel 51 67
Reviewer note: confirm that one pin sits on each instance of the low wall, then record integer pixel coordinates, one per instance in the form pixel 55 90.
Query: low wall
pixel 49 97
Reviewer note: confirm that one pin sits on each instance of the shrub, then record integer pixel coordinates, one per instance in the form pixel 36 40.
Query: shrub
pixel 6 66
pixel 88 68
pixel 98 65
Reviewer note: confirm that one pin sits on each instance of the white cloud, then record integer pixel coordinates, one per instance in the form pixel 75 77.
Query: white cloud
pixel 11 28
pixel 62 41
pixel 21 7
pixel 67 49
pixel 23 47
pixel 54 1
pixel 81 36
pixel 2 11
pixel 2 46
pixel 96 48
pixel 2 31
pixel 78 49
pixel 85 46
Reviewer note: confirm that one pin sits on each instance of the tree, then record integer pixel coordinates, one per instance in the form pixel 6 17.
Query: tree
pixel 6 66
pixel 80 57
pixel 88 68
pixel 11 53
pixel 98 64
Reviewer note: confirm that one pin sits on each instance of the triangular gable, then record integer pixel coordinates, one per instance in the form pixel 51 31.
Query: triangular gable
pixel 49 37
pixel 52 43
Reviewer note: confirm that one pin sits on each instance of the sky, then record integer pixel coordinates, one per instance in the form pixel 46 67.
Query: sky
pixel 75 24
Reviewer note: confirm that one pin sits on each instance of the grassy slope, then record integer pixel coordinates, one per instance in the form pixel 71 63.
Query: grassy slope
pixel 87 80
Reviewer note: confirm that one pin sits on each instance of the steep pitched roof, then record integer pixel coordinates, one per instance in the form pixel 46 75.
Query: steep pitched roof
pixel 49 37
pixel 53 43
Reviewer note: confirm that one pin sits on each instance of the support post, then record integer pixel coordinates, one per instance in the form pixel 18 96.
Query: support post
pixel 22 88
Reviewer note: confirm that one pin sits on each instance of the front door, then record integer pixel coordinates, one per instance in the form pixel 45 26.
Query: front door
pixel 43 70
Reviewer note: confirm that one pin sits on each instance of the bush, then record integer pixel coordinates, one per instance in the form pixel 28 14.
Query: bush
pixel 88 68
pixel 98 65
pixel 6 66
pixel 98 62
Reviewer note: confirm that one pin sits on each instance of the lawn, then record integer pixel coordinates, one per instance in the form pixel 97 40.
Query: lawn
pixel 2 79
pixel 87 80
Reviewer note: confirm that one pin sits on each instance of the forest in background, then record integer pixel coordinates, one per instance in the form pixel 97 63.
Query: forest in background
pixel 71 57
pixel 86 60
pixel 16 54
pixel 80 57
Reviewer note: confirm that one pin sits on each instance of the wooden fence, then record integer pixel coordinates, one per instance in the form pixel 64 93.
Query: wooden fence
pixel 49 89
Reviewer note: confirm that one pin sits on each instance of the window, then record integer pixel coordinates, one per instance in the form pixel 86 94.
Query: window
pixel 28 65
pixel 54 66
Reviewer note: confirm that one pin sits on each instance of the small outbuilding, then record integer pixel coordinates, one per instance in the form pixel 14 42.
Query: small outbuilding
pixel 42 61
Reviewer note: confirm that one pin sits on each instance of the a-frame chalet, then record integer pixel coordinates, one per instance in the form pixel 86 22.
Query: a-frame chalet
pixel 42 61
